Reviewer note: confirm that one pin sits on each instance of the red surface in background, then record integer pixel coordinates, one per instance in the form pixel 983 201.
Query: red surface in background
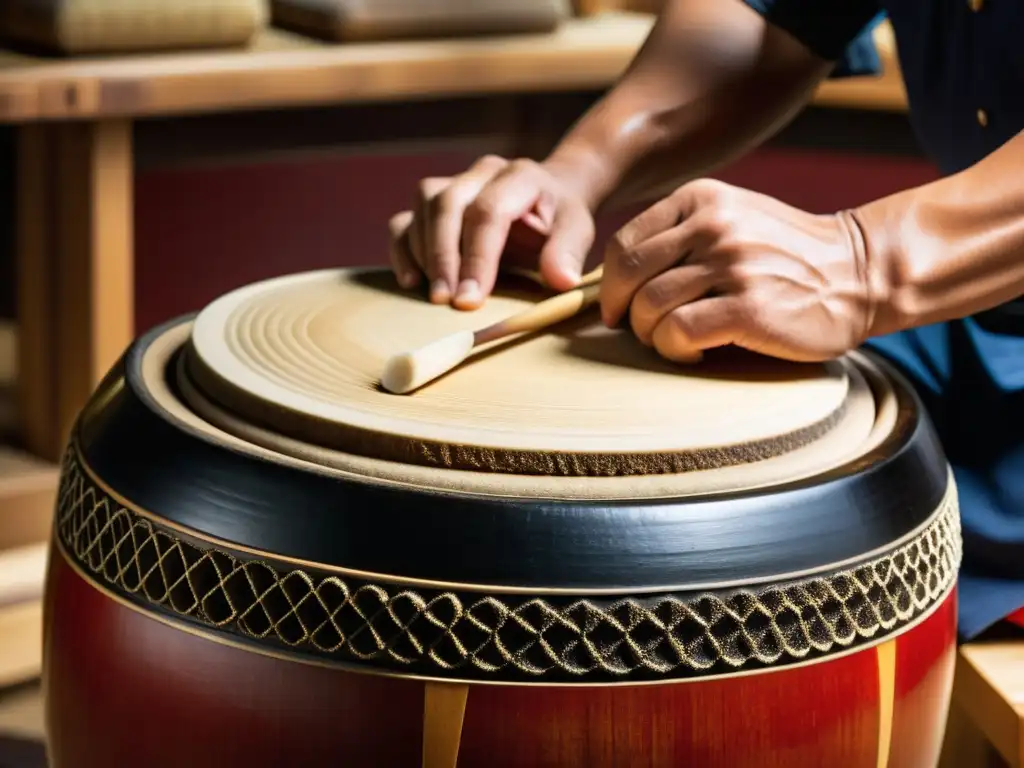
pixel 201 233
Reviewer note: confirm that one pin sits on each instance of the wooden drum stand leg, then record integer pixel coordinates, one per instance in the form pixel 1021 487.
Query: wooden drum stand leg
pixel 75 317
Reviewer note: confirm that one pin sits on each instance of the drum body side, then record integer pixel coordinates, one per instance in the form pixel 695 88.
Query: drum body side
pixel 167 645
pixel 126 689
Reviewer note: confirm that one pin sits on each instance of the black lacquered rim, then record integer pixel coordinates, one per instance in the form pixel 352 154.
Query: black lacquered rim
pixel 180 475
pixel 375 624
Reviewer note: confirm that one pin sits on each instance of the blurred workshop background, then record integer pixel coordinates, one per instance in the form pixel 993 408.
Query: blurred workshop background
pixel 156 155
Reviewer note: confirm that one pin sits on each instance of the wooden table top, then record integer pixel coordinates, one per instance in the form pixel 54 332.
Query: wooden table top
pixel 279 69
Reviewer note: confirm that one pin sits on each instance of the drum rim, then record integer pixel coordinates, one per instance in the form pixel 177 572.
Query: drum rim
pixel 407 547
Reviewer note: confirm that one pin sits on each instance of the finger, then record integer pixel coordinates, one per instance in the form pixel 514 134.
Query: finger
pixel 402 262
pixel 665 293
pixel 448 220
pixel 486 224
pixel 568 244
pixel 685 332
pixel 629 267
pixel 420 233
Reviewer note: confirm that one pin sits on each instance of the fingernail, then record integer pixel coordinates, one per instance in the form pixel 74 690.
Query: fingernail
pixel 571 268
pixel 407 279
pixel 440 293
pixel 468 292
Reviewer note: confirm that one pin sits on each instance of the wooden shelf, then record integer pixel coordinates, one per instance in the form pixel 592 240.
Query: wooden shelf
pixel 279 69
pixel 28 489
pixel 22 576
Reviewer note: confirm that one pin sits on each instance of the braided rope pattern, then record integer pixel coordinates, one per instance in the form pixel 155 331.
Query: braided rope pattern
pixel 500 636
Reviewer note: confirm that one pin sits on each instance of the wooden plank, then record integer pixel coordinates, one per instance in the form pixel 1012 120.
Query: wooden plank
pixel 584 53
pixel 36 360
pixel 22 574
pixel 990 688
pixel 21 642
pixel 94 309
pixel 28 489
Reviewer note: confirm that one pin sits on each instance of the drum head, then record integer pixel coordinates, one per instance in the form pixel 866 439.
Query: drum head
pixel 303 356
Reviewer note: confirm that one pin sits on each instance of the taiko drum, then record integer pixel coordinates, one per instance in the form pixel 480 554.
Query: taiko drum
pixel 565 552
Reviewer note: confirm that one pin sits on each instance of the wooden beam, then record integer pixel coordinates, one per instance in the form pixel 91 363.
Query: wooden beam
pixel 94 264
pixel 35 270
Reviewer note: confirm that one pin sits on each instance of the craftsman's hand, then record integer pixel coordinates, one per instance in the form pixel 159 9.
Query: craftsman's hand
pixel 713 265
pixel 462 226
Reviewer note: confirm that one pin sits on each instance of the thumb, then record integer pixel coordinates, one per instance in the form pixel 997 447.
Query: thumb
pixel 567 247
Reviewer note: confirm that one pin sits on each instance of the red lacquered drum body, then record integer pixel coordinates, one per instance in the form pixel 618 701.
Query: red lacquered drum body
pixel 211 603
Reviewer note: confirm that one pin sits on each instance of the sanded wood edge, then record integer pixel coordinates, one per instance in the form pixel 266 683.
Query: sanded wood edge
pixel 21 642
pixel 988 690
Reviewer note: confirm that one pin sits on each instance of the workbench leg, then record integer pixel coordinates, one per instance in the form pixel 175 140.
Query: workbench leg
pixel 36 398
pixel 77 270
pixel 95 258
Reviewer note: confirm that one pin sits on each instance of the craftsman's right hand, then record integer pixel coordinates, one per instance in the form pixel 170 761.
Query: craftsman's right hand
pixel 461 227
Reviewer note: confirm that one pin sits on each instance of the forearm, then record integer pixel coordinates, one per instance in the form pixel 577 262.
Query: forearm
pixel 951 248
pixel 712 81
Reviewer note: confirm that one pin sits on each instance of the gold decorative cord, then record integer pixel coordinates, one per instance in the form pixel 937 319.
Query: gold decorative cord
pixel 499 636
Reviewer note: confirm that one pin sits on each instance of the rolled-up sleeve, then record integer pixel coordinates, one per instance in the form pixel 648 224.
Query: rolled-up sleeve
pixel 836 30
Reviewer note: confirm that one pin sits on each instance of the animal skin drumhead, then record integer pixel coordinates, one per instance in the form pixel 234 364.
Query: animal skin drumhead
pixel 303 355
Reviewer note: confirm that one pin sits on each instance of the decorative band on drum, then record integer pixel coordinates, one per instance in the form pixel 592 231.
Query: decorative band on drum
pixel 500 637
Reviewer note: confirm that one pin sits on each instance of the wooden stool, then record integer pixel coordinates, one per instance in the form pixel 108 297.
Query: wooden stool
pixel 986 722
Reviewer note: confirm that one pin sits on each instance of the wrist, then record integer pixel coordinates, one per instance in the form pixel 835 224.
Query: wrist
pixel 886 271
pixel 583 171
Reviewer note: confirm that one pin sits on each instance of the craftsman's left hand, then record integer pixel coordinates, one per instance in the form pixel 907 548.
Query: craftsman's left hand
pixel 714 265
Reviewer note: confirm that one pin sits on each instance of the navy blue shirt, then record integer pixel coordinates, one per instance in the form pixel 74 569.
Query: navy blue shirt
pixel 963 65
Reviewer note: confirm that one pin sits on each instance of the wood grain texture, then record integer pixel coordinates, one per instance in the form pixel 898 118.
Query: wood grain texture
pixel 304 355
pixel 126 690
pixel 279 70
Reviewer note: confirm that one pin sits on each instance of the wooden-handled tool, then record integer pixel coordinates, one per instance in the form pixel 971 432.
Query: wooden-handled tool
pixel 409 371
